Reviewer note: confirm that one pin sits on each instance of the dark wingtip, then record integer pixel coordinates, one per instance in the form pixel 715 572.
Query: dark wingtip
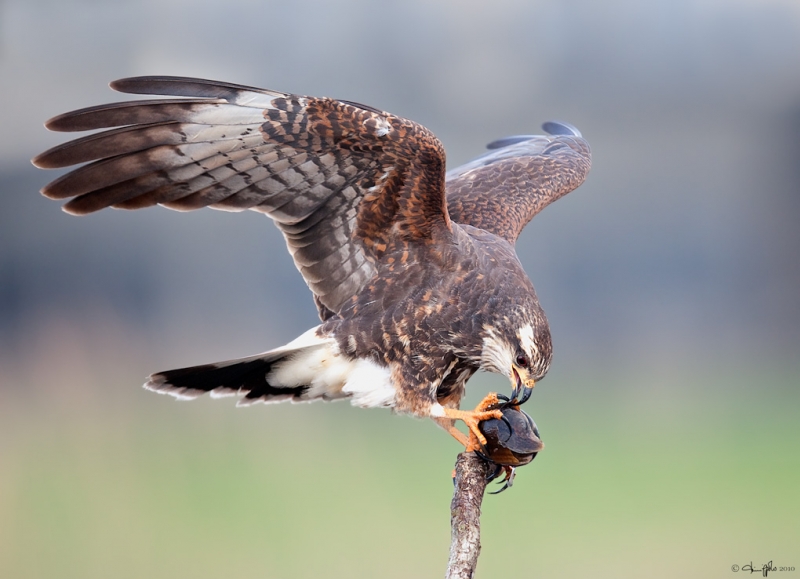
pixel 81 206
pixel 140 84
pixel 41 161
pixel 506 141
pixel 183 86
pixel 132 83
pixel 61 123
pixel 561 128
pixel 119 84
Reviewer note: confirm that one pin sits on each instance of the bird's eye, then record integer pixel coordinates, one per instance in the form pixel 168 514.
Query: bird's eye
pixel 522 361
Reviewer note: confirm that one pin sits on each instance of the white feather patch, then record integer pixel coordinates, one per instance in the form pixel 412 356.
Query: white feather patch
pixel 323 370
pixel 525 334
pixel 330 375
pixel 370 385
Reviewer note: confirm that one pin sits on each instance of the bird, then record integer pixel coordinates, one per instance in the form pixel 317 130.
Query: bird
pixel 412 268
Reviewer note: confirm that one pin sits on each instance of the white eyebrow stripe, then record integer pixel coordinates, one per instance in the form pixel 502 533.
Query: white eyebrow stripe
pixel 525 335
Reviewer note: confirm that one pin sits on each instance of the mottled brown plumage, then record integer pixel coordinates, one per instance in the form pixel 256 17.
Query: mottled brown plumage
pixel 502 191
pixel 413 270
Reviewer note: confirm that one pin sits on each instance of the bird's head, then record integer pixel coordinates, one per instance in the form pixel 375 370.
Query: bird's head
pixel 522 353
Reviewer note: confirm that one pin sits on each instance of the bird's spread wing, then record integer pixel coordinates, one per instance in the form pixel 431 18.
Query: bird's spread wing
pixel 338 178
pixel 502 190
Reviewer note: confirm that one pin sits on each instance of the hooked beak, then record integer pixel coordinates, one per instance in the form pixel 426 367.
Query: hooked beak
pixel 519 385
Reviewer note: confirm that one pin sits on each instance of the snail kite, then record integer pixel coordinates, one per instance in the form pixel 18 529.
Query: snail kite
pixel 413 269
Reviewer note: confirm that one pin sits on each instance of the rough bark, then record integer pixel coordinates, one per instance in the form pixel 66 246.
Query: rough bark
pixel 465 516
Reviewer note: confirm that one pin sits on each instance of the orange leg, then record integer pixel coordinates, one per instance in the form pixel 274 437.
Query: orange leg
pixel 472 418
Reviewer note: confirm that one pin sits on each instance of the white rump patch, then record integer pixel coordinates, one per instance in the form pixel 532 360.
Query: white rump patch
pixel 370 385
pixel 323 370
pixel 330 375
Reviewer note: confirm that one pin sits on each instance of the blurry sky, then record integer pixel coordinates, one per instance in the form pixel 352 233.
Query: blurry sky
pixel 679 257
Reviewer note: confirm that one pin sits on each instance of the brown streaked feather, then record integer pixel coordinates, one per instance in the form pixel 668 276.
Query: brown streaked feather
pixel 342 181
pixel 503 190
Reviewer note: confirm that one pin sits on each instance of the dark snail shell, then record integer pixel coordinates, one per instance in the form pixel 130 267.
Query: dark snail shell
pixel 513 441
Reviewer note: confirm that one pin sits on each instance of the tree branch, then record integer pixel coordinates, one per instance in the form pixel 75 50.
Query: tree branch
pixel 465 515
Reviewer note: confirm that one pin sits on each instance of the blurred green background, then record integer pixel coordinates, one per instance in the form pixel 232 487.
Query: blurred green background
pixel 671 416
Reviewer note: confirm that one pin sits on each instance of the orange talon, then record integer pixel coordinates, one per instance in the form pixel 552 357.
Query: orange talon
pixel 472 418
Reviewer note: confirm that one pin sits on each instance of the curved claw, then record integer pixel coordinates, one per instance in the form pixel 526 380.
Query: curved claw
pixel 482 456
pixel 498 468
pixel 509 480
pixel 505 486
pixel 493 475
pixel 505 401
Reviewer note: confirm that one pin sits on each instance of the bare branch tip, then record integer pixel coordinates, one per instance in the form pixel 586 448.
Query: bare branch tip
pixel 471 478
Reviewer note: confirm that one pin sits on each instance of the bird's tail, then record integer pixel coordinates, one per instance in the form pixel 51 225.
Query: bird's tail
pixel 286 373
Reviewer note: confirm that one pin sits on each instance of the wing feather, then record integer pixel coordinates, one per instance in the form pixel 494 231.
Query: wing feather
pixel 125 167
pixel 504 189
pixel 135 138
pixel 341 180
pixel 206 112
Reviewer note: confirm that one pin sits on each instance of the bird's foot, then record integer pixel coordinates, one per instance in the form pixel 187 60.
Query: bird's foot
pixel 510 472
pixel 485 410
pixel 508 481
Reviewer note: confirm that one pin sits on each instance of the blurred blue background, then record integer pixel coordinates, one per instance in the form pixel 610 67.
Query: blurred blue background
pixel 671 280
